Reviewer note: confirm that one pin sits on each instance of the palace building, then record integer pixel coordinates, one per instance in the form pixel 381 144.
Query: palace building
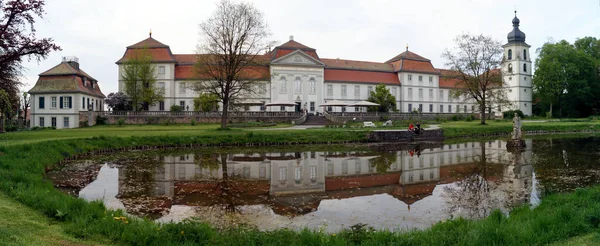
pixel 296 74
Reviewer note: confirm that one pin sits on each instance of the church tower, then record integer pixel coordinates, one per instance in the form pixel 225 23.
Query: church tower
pixel 517 69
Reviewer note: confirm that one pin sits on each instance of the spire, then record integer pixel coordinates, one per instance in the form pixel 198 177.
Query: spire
pixel 516 35
pixel 406 46
pixel 150 32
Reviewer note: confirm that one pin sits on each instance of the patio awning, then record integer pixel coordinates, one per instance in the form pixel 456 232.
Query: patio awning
pixel 364 104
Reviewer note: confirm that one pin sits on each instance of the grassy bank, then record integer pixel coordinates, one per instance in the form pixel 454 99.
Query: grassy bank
pixel 473 128
pixel 22 167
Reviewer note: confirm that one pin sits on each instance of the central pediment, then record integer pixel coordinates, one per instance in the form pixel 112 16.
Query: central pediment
pixel 297 58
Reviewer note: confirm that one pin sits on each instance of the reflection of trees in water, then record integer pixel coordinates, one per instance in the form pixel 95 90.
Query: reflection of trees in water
pixel 565 164
pixel 383 162
pixel 140 174
pixel 472 196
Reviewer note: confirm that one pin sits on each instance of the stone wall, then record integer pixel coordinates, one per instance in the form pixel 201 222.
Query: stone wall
pixel 186 119
pixel 405 136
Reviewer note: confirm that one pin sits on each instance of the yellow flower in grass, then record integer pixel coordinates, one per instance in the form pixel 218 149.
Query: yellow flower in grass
pixel 182 232
pixel 117 218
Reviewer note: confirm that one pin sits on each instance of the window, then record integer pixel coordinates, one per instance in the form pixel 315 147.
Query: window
pixel 66 122
pixel 283 86
pixel 343 90
pixel 161 69
pixel 420 78
pixel 369 90
pixel 420 107
pixel 93 85
pixel 282 174
pixel 298 85
pixel 313 86
pixel 441 108
pixel 510 68
pixel 82 102
pixel 53 121
pixel 161 87
pixel 410 107
pixel 41 102
pixel 449 108
pixel 430 108
pixel 524 54
pixel 524 67
pixel 394 91
pixel 343 108
pixel 465 108
pixel 330 90
pixel 410 93
pixel 53 102
pixel 509 54
pixel 472 108
pixel 88 102
pixel 457 108
pixel 263 107
pixel 298 174
pixel 356 91
pixel 182 105
pixel 430 79
pixel 182 88
pixel 430 94
pixel 312 106
pixel 42 122
pixel 420 93
pixel 441 95
pixel 161 105
pixel 313 173
pixel 65 102
pixel 262 89
pixel 410 77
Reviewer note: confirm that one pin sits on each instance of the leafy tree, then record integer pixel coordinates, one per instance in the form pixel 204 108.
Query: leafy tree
pixel 382 96
pixel 25 103
pixel 5 108
pixel 140 81
pixel 18 42
pixel 230 62
pixel 118 101
pixel 383 162
pixel 567 78
pixel 475 62
pixel 206 102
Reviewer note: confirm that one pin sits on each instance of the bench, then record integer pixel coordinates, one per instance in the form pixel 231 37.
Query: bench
pixel 368 124
pixel 388 123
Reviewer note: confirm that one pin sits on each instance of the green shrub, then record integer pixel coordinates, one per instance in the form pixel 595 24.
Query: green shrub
pixel 121 122
pixel 470 117
pixel 193 122
pixel 101 120
pixel 511 113
pixel 176 108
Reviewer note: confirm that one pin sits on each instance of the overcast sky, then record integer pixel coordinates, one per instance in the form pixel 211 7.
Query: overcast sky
pixel 370 30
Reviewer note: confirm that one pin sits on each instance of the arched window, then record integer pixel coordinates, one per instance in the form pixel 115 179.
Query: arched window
pixel 525 54
pixel 510 68
pixel 524 67
pixel 510 54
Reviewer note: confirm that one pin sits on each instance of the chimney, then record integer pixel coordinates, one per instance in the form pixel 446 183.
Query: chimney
pixel 291 37
pixel 73 61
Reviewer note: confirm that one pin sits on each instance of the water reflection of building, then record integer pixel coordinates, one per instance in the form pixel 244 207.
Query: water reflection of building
pixel 286 178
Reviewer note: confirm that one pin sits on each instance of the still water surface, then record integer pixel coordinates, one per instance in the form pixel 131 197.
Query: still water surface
pixel 384 186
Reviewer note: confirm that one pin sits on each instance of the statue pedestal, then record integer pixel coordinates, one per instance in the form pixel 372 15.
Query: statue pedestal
pixel 515 145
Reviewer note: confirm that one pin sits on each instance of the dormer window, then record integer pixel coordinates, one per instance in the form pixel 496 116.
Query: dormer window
pixel 93 86
pixel 509 54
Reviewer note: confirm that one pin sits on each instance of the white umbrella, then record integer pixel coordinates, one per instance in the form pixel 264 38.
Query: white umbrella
pixel 364 104
pixel 280 103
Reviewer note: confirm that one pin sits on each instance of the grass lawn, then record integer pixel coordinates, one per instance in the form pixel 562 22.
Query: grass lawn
pixel 21 225
pixel 472 128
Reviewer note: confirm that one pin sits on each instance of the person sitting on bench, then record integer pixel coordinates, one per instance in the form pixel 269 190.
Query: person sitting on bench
pixel 418 128
pixel 411 127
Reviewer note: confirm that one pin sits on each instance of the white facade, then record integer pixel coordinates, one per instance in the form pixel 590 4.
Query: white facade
pixel 47 110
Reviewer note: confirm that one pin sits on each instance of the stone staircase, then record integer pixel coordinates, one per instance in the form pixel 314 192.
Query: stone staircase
pixel 313 120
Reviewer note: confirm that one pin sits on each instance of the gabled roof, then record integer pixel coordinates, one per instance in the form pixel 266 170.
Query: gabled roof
pixel 408 56
pixel 64 68
pixel 148 43
pixel 291 46
pixel 301 53
pixel 294 45
pixel 64 84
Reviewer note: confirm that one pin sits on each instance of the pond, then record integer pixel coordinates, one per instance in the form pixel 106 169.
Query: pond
pixel 333 187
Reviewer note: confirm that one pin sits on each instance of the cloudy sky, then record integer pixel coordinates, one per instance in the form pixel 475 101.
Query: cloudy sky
pixel 370 30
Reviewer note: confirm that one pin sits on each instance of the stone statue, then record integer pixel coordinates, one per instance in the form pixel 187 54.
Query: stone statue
pixel 516 134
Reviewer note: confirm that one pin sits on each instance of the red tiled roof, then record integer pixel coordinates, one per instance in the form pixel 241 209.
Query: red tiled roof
pixel 291 46
pixel 449 78
pixel 157 54
pixel 294 45
pixel 64 68
pixel 186 58
pixel 344 75
pixel 148 43
pixel 357 65
pixel 188 72
pixel 409 56
pixel 64 83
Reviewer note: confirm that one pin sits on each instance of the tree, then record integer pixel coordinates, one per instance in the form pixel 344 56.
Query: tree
pixel 25 103
pixel 18 42
pixel 140 81
pixel 475 62
pixel 229 64
pixel 382 96
pixel 5 108
pixel 206 102
pixel 567 78
pixel 118 101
